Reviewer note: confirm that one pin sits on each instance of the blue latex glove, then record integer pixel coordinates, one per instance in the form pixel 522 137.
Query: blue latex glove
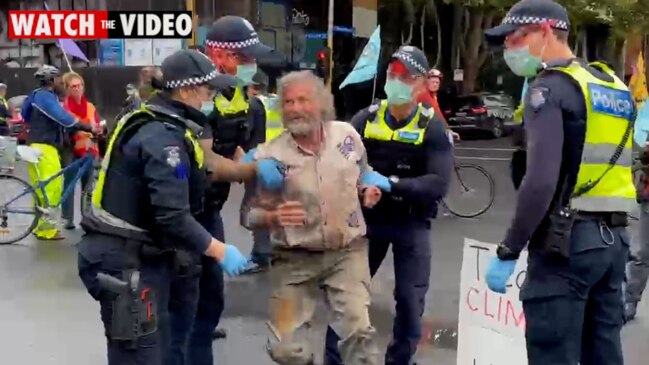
pixel 270 174
pixel 234 263
pixel 375 179
pixel 249 156
pixel 498 273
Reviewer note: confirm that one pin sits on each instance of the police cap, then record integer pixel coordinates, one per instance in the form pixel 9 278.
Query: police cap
pixel 190 67
pixel 526 12
pixel 413 58
pixel 237 34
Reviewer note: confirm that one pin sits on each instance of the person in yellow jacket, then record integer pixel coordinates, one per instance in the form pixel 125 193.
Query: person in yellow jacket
pixel 573 203
pixel 5 114
pixel 49 124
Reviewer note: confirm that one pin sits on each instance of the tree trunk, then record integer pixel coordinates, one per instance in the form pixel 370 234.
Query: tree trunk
pixel 458 15
pixel 422 24
pixel 438 27
pixel 472 55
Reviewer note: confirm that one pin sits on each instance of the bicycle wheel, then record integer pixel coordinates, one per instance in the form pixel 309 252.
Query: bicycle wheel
pixel 21 202
pixel 472 191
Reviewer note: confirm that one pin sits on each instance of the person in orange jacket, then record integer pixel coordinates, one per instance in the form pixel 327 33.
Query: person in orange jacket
pixel 81 142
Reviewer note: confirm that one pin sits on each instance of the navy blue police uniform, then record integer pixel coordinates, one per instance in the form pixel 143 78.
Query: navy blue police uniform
pixel 572 204
pixel 151 184
pixel 417 155
pixel 236 121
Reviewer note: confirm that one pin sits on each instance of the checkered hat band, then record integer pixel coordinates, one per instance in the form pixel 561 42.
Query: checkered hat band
pixel 191 81
pixel 522 20
pixel 405 57
pixel 233 45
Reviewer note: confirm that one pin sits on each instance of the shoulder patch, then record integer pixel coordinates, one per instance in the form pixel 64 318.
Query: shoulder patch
pixel 537 96
pixel 614 102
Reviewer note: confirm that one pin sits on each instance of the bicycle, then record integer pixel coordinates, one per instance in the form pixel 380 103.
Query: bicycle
pixel 464 168
pixel 41 209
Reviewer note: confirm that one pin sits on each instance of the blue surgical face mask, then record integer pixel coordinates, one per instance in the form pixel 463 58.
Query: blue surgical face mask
pixel 522 62
pixel 245 73
pixel 207 107
pixel 398 92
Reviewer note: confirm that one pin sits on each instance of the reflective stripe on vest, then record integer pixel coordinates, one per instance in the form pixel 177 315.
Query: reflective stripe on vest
pixel 238 104
pixel 378 129
pixel 609 112
pixel 274 125
pixel 97 195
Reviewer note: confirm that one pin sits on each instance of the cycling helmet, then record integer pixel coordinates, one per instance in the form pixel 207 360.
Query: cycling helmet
pixel 433 72
pixel 47 73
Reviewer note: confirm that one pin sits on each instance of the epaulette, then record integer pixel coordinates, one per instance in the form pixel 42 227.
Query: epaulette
pixel 374 108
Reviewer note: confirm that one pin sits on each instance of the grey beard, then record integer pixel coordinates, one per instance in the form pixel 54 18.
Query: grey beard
pixel 302 128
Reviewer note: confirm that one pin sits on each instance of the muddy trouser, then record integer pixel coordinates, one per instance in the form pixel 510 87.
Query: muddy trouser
pixel 183 301
pixel 573 308
pixel 297 280
pixel 49 164
pixel 105 254
pixel 638 267
pixel 261 247
pixel 67 206
pixel 411 247
pixel 210 302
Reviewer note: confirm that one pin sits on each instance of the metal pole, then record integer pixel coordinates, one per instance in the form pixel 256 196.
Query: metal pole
pixel 191 6
pixel 330 41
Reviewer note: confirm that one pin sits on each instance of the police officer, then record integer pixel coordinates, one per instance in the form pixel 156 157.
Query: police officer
pixel 408 143
pixel 261 248
pixel 235 123
pixel 151 183
pixel 574 199
pixel 638 266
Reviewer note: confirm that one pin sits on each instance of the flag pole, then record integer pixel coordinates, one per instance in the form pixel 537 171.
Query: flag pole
pixel 374 89
pixel 330 41
pixel 67 60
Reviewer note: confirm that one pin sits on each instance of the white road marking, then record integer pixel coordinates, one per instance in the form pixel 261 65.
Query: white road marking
pixel 485 149
pixel 482 158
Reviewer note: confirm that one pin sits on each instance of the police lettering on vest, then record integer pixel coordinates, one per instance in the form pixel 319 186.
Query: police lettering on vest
pixel 399 153
pixel 131 216
pixel 610 113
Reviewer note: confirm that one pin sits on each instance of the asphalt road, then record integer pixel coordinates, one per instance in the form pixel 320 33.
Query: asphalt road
pixel 46 317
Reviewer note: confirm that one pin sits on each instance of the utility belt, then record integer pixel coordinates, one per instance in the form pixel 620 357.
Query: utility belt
pixel 395 209
pixel 134 305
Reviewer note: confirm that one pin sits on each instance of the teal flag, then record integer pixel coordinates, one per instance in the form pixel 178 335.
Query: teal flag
pixel 367 65
pixel 641 127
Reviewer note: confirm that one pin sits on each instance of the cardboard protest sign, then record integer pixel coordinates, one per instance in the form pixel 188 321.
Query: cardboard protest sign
pixel 491 329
